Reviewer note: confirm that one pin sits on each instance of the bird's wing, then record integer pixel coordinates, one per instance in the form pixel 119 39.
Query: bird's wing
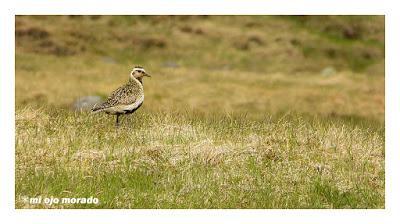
pixel 122 95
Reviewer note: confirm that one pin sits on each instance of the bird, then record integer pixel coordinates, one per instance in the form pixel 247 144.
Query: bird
pixel 127 98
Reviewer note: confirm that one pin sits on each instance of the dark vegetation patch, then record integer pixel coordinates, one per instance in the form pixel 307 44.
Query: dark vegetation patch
pixel 145 43
pixel 349 38
pixel 191 30
pixel 32 33
pixel 41 41
pixel 345 42
pixel 86 37
pixel 252 24
pixel 295 42
pixel 248 42
pixel 345 28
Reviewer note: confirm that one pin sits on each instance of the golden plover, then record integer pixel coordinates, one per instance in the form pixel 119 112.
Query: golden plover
pixel 127 98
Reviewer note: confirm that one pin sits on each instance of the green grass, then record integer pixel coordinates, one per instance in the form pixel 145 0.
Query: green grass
pixel 245 120
pixel 159 160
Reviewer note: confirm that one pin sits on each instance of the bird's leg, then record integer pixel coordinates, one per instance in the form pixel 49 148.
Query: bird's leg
pixel 117 121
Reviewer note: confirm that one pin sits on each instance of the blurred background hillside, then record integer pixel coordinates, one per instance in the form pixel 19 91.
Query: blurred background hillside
pixel 240 111
pixel 317 65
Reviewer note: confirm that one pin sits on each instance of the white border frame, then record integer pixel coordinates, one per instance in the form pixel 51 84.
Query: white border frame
pixel 272 7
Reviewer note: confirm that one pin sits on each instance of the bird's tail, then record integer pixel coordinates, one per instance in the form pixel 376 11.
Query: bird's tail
pixel 97 108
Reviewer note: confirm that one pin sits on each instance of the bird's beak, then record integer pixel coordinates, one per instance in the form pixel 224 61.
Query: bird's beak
pixel 146 74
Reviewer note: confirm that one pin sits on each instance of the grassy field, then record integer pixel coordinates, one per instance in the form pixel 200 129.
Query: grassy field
pixel 240 112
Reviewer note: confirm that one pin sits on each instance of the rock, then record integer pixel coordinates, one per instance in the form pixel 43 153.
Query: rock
pixel 109 60
pixel 328 71
pixel 171 64
pixel 86 103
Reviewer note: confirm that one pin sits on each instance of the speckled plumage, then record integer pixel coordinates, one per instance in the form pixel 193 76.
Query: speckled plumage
pixel 124 95
pixel 127 98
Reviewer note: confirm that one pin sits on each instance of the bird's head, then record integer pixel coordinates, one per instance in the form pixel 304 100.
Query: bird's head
pixel 138 73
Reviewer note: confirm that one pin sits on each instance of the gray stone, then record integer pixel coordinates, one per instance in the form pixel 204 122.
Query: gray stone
pixel 171 64
pixel 86 103
pixel 328 71
pixel 109 60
